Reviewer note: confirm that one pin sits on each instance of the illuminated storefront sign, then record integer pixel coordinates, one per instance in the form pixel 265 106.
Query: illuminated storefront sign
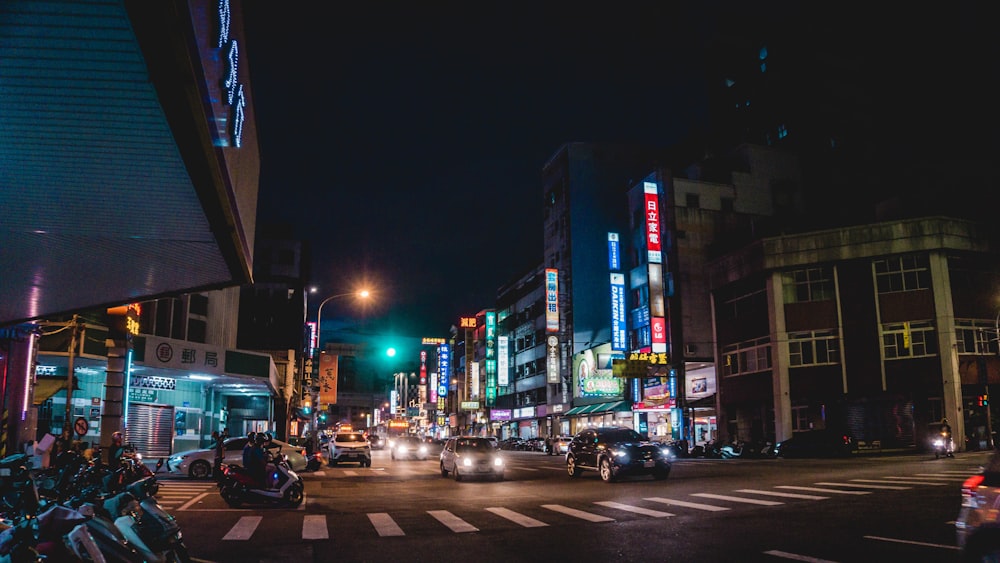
pixel 444 368
pixel 654 249
pixel 658 326
pixel 428 341
pixel 614 252
pixel 491 358
pixel 552 364
pixel 432 388
pixel 551 300
pixel 618 312
pixel 500 414
pixel 503 365
pixel 470 405
pixel 235 96
pixel 593 373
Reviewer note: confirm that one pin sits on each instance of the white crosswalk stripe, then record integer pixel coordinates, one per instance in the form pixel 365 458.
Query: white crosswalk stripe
pixel 588 516
pixel 244 528
pixel 635 509
pixel 738 499
pixel 826 491
pixel 780 494
pixel 864 486
pixel 385 525
pixel 314 527
pixel 686 504
pixel 454 523
pixel 516 517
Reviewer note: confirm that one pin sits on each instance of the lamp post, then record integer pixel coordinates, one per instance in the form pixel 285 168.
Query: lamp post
pixel 362 294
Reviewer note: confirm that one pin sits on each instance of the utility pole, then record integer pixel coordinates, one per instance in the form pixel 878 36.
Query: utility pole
pixel 74 332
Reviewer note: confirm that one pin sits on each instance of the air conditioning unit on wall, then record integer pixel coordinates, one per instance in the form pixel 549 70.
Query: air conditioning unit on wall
pixel 690 350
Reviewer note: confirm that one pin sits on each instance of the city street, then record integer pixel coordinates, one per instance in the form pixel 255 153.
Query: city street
pixel 868 508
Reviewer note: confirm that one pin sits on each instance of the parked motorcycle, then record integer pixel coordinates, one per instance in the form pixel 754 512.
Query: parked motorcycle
pixel 237 486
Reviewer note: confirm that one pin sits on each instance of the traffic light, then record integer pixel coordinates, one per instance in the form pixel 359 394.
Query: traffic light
pixel 322 416
pixel 307 404
pixel 984 400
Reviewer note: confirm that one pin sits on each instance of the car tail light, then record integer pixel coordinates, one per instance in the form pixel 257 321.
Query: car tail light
pixel 970 497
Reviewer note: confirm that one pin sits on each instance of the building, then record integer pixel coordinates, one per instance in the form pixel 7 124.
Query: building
pixel 154 175
pixel 876 330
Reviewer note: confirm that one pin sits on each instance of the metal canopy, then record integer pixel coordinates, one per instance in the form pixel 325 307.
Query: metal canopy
pixel 97 206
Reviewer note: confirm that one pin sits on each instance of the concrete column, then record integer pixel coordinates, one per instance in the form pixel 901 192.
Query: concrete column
pixel 780 385
pixel 944 322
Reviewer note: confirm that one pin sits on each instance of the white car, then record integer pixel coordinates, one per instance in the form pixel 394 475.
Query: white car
pixel 349 447
pixel 197 464
pixel 471 456
pixel 560 445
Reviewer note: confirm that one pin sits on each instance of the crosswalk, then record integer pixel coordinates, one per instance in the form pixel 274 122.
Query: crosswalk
pixel 383 524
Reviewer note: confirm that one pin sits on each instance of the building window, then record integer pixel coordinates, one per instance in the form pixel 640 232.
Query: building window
pixel 812 284
pixel 976 337
pixel 726 204
pixel 198 304
pixel 919 335
pixel 196 330
pixel 747 357
pixel 693 200
pixel 812 348
pixel 902 273
pixel 800 419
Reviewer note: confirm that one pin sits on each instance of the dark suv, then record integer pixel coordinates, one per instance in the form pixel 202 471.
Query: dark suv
pixel 615 452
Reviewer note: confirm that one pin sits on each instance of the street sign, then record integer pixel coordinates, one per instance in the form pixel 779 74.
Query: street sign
pixel 81 426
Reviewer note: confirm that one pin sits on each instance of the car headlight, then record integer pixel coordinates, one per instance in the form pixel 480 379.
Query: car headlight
pixel 423 449
pixel 620 453
pixel 467 462
pixel 667 453
pixel 497 462
pixel 401 449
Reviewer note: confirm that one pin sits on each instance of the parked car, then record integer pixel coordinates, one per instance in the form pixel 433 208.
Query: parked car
pixel 978 523
pixel 409 447
pixel 536 444
pixel 471 456
pixel 615 452
pixel 817 443
pixel 198 464
pixel 560 445
pixel 349 447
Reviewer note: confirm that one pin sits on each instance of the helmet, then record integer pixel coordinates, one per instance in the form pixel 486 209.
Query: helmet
pixel 252 437
pixel 260 438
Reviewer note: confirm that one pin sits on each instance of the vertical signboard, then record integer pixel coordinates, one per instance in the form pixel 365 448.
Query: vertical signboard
pixel 658 327
pixel 491 358
pixel 328 367
pixel 444 369
pixel 614 252
pixel 423 367
pixel 651 196
pixel 618 311
pixel 551 300
pixel 474 381
pixel 552 365
pixel 503 365
pixel 469 324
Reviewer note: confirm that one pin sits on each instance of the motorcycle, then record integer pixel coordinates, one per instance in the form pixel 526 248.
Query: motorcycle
pixel 315 461
pixel 153 532
pixel 237 486
pixel 942 445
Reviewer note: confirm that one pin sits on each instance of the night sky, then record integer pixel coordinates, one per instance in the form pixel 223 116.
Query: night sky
pixel 405 142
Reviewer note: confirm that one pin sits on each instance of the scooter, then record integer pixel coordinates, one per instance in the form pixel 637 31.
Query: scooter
pixel 942 445
pixel 315 461
pixel 153 532
pixel 237 486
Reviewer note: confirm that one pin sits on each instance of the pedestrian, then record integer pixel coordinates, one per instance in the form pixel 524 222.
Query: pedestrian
pixel 116 450
pixel 219 452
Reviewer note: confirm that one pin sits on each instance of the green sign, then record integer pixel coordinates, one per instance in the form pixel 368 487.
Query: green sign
pixel 142 395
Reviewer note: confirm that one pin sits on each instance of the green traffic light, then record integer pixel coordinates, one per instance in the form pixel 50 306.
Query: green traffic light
pixel 391 352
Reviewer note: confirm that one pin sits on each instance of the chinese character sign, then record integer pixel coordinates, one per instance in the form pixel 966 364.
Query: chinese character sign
pixel 551 300
pixel 618 312
pixel 328 368
pixel 654 246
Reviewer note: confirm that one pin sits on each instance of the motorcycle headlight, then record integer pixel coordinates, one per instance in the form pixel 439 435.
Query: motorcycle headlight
pixel 939 442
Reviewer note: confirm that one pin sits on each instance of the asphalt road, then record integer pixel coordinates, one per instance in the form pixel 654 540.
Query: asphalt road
pixel 872 508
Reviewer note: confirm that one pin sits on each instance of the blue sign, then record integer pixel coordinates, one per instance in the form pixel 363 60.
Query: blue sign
pixel 444 368
pixel 614 252
pixel 618 312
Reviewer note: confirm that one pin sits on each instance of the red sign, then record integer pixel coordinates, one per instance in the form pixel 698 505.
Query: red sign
pixel 659 327
pixel 652 211
pixel 328 369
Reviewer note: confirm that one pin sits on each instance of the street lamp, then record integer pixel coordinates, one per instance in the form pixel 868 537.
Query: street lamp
pixel 362 294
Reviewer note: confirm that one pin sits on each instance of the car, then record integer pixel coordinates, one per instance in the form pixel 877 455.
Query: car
pixel 535 444
pixel 198 464
pixel 978 524
pixel 349 447
pixel 495 441
pixel 409 447
pixel 824 442
pixel 377 442
pixel 615 452
pixel 560 445
pixel 471 456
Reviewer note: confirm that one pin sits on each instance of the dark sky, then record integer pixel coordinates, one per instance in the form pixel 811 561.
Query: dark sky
pixel 405 141
pixel 406 144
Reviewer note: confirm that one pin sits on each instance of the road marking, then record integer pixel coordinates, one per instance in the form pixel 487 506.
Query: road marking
pixel 738 499
pixel 453 522
pixel 944 477
pixel 686 504
pixel 588 516
pixel 192 501
pixel 819 490
pixel 314 527
pixel 350 473
pixel 516 517
pixel 902 480
pixel 795 557
pixel 908 542
pixel 777 494
pixel 864 486
pixel 636 509
pixel 385 525
pixel 314 473
pixel 244 528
